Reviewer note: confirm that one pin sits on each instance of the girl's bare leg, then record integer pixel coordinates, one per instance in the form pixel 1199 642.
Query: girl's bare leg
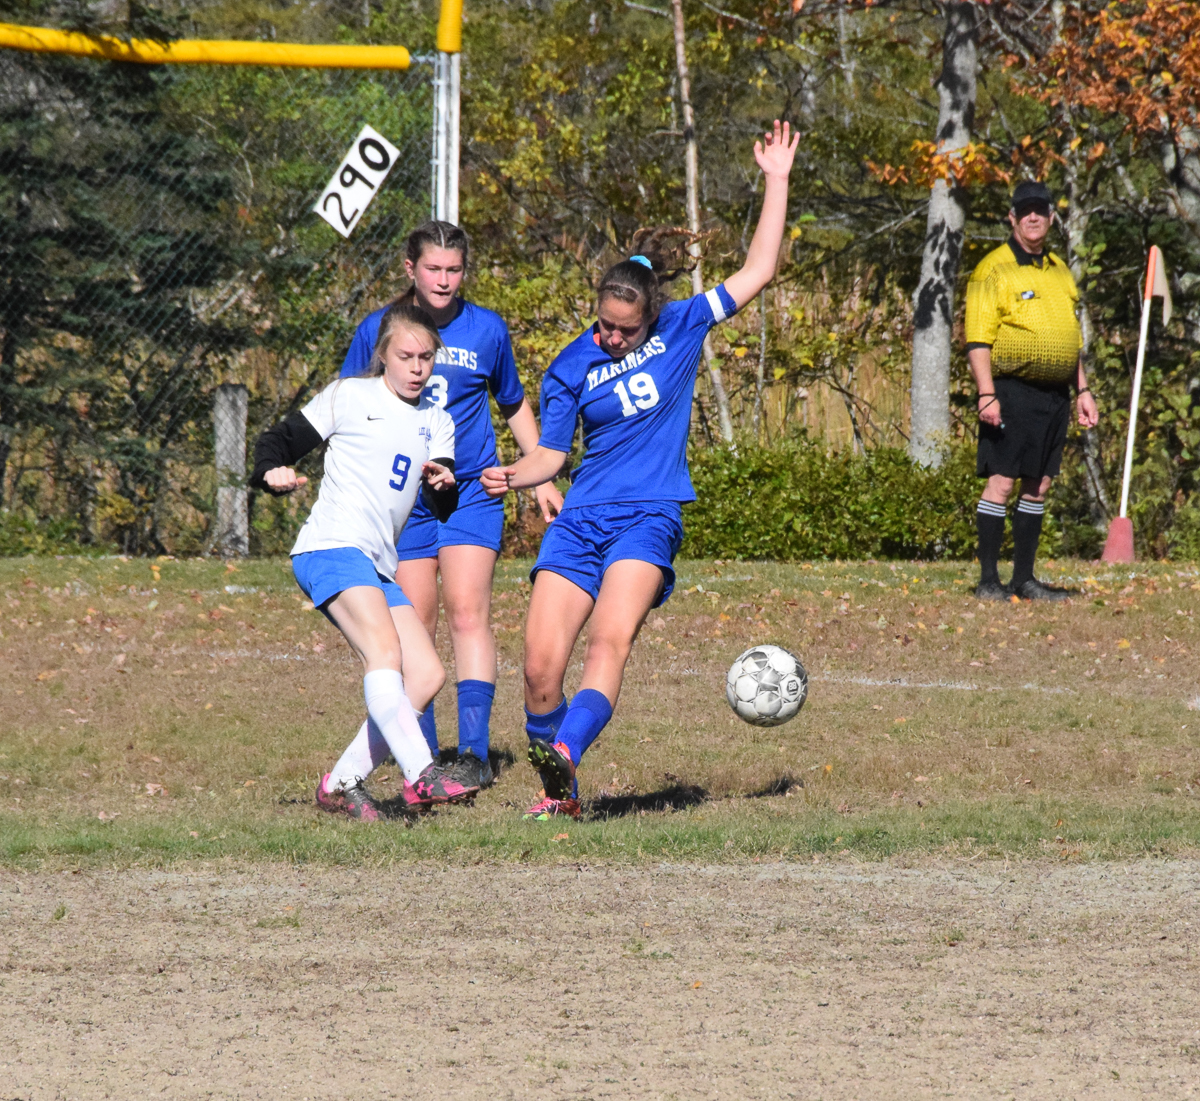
pixel 467 591
pixel 558 609
pixel 362 615
pixel 629 590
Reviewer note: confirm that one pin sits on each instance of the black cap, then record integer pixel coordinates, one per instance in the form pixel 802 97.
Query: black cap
pixel 1030 193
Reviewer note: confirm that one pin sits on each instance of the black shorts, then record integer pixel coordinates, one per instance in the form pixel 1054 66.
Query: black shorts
pixel 1029 442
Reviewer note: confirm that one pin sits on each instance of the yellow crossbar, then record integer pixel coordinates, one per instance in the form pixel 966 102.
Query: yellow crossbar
pixel 194 52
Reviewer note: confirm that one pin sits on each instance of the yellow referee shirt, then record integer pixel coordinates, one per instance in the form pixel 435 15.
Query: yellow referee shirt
pixel 1023 308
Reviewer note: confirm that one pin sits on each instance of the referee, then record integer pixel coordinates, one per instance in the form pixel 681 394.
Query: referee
pixel 1023 345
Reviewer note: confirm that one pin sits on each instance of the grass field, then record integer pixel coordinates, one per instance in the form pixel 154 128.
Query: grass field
pixel 169 711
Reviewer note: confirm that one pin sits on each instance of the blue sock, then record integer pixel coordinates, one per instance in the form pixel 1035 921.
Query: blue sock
pixel 474 716
pixel 545 727
pixel 587 716
pixel 428 726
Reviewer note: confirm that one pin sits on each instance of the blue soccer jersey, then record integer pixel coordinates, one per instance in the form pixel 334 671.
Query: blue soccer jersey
pixel 477 357
pixel 636 411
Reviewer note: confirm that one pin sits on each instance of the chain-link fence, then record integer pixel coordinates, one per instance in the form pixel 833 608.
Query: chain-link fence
pixel 160 259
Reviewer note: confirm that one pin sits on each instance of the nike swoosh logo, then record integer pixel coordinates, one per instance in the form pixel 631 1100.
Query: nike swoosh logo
pixel 370 418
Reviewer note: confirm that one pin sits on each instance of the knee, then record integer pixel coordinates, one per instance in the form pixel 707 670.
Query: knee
pixel 999 489
pixel 467 620
pixel 609 646
pixel 541 676
pixel 424 682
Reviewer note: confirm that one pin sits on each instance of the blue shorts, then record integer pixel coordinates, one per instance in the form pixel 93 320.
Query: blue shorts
pixel 583 542
pixel 477 522
pixel 322 574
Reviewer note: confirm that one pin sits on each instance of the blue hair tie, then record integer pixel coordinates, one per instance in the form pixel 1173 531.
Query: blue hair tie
pixel 643 261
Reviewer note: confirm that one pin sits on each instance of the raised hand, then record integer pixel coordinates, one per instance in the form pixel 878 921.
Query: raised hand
pixel 283 479
pixel 775 154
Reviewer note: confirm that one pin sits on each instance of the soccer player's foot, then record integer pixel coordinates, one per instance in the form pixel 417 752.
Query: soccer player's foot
pixel 354 802
pixel 436 784
pixel 1033 589
pixel 472 771
pixel 545 809
pixel 554 765
pixel 991 590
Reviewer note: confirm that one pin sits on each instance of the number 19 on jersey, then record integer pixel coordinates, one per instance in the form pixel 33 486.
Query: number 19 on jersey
pixel 642 394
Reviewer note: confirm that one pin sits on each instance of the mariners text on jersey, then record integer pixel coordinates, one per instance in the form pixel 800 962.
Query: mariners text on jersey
pixel 653 346
pixel 636 410
pixel 460 357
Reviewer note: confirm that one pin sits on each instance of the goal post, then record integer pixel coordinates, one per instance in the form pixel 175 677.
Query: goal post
pixel 159 251
pixel 448 97
pixel 146 51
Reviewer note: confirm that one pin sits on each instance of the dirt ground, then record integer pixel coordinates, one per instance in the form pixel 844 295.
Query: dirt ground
pixel 751 981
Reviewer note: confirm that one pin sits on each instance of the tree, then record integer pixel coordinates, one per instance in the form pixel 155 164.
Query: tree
pixel 933 300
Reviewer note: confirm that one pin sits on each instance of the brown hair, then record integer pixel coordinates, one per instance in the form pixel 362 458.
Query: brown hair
pixel 400 315
pixel 436 234
pixel 634 282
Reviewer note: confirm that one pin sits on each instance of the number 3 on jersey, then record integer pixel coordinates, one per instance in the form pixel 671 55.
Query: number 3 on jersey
pixel 436 389
pixel 645 394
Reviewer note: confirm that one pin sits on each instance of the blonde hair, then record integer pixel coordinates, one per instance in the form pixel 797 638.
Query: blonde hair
pixel 400 315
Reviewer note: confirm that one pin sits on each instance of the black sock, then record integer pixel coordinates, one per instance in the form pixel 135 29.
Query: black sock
pixel 1027 529
pixel 989 519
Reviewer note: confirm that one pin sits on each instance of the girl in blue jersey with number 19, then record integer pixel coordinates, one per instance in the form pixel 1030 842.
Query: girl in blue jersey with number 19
pixel 608 556
pixel 475 358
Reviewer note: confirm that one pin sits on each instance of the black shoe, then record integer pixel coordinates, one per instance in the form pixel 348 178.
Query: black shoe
pixel 555 767
pixel 991 590
pixel 472 772
pixel 1033 589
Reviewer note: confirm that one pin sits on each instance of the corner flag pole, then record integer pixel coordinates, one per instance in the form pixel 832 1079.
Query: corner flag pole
pixel 449 94
pixel 1118 547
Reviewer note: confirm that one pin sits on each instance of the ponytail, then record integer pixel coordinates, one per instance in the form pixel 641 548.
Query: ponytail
pixel 639 279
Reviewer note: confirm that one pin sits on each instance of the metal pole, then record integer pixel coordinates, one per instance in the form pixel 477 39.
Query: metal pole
pixel 449 44
pixel 454 97
pixel 441 136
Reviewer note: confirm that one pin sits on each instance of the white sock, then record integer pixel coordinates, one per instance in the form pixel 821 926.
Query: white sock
pixel 361 757
pixel 391 711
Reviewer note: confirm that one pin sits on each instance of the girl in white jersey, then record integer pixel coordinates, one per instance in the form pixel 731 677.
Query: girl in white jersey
pixel 387 442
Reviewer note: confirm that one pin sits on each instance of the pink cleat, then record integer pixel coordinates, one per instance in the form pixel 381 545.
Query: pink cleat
pixel 353 802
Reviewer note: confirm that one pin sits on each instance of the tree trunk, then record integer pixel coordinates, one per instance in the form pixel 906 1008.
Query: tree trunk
pixel 691 166
pixel 1181 161
pixel 933 300
pixel 1076 226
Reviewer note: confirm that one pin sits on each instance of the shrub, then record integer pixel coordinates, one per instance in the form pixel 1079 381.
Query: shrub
pixel 795 500
pixel 22 533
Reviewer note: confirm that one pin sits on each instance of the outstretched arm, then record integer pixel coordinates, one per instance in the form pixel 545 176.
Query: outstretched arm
pixel 774 157
pixel 539 466
pixel 278 449
pixel 525 430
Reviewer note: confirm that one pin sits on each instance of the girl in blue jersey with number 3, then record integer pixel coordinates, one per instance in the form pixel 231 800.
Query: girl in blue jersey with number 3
pixel 475 359
pixel 609 554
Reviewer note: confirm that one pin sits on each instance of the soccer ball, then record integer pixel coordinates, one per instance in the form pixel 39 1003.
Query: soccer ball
pixel 766 686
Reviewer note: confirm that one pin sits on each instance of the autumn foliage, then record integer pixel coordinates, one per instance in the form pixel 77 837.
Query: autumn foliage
pixel 1140 61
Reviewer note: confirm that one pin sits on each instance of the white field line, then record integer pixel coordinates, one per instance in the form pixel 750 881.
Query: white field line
pixel 953 685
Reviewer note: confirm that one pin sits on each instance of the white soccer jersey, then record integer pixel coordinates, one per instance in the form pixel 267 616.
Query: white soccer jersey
pixel 377 445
